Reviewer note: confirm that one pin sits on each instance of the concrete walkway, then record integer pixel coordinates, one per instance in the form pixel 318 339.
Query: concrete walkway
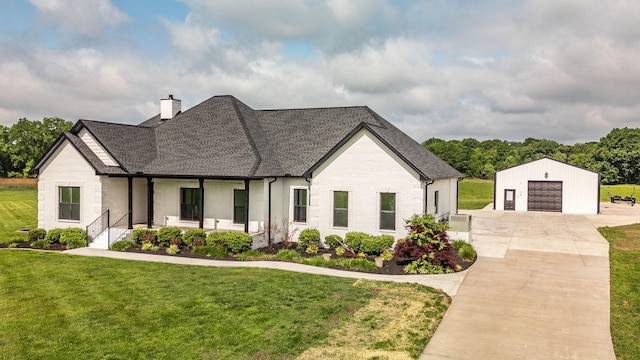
pixel 449 283
pixel 539 289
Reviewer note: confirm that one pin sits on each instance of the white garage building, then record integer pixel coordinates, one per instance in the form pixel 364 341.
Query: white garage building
pixel 547 185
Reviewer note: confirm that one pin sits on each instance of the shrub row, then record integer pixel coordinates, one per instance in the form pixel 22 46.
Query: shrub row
pixel 71 237
pixel 231 241
pixel 359 242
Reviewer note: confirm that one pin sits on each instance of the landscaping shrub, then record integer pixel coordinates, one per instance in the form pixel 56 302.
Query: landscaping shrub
pixel 340 251
pixel 236 242
pixel 53 236
pixel 149 246
pixel 467 252
pixel 173 249
pixel 286 254
pixel 427 242
pixel 387 254
pixel 253 255
pixel 148 234
pixel 333 241
pixel 73 238
pixel 375 245
pixel 312 247
pixel 175 241
pixel 167 233
pixel 458 244
pixel 198 242
pixel 354 239
pixel 307 236
pixel 122 245
pixel 191 235
pixel 211 250
pixel 36 234
pixel 40 244
pixel 355 263
pixel 216 238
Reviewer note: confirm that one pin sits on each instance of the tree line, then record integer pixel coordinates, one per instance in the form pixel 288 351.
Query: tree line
pixel 616 156
pixel 23 143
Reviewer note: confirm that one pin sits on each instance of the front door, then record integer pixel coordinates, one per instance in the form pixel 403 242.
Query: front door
pixel 509 199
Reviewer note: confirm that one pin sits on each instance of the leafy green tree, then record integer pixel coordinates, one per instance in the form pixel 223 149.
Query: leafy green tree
pixel 26 141
pixel 619 150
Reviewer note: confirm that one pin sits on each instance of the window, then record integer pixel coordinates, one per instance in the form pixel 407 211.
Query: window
pixel 189 204
pixel 239 206
pixel 340 208
pixel 69 203
pixel 387 211
pixel 436 201
pixel 300 205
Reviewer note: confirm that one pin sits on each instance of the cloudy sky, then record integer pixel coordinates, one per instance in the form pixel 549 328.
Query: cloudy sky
pixel 567 70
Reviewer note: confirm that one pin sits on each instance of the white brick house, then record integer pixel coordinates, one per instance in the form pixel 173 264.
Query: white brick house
pixel 223 165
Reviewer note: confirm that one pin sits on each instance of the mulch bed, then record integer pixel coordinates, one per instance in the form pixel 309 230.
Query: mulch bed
pixel 392 267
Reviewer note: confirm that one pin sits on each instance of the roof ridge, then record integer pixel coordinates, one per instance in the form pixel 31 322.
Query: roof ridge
pixel 245 128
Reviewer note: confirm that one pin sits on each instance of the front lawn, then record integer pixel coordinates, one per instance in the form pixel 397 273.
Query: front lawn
pixel 18 210
pixel 624 261
pixel 58 306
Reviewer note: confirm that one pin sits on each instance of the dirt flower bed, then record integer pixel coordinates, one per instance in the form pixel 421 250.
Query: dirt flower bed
pixel 390 267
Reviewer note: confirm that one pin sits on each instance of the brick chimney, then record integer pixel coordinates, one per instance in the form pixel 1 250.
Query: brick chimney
pixel 169 108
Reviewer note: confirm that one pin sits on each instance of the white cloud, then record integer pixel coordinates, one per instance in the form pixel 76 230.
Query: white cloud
pixel 565 70
pixel 86 17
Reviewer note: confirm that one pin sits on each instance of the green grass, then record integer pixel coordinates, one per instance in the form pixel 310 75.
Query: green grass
pixel 474 194
pixel 18 210
pixel 58 306
pixel 624 261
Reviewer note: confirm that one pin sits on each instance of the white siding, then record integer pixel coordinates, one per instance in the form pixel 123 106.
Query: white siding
pixel 447 196
pixel 365 168
pixel 115 198
pixel 579 186
pixel 97 149
pixel 66 167
pixel 218 203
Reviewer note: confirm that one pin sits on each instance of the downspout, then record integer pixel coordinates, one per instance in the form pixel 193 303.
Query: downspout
pixel 149 202
pixel 495 182
pixel 130 201
pixel 309 190
pixel 426 194
pixel 457 194
pixel 201 215
pixel 246 206
pixel 269 213
pixel 598 200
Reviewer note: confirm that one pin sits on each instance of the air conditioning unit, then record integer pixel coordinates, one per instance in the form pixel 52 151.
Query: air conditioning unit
pixel 460 223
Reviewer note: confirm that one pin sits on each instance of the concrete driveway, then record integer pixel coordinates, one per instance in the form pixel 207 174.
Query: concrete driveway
pixel 539 289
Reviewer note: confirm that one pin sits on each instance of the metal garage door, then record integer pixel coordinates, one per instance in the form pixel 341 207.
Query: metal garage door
pixel 545 196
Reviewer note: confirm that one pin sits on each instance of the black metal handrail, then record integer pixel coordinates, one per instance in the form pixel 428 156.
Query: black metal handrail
pixel 122 223
pixel 97 226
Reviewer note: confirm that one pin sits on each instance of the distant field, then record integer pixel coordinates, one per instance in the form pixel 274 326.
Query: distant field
pixel 620 190
pixel 474 194
pixel 18 210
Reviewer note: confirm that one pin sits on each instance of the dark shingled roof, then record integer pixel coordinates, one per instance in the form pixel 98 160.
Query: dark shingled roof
pixel 224 138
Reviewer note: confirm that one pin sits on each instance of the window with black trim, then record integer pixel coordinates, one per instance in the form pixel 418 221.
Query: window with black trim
pixel 387 211
pixel 190 204
pixel 436 201
pixel 69 203
pixel 341 208
pixel 239 206
pixel 300 205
